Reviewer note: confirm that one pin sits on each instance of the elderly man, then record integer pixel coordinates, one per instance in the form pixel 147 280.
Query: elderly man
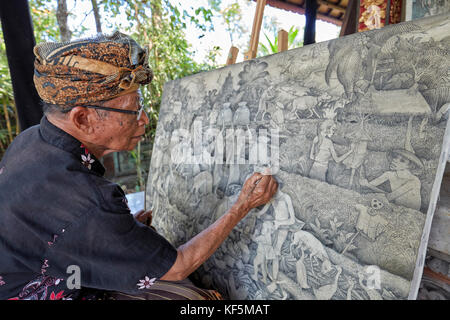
pixel 66 231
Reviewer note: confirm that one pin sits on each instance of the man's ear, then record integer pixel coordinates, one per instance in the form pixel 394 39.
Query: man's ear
pixel 82 119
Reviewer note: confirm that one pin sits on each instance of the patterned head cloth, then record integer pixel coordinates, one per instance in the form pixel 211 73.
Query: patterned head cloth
pixel 90 70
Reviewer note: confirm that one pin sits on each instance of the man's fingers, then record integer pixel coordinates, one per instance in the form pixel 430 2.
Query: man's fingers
pixel 264 181
pixel 142 215
pixel 273 186
pixel 139 213
pixel 254 178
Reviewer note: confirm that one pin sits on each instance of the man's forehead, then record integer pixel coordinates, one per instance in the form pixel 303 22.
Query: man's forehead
pixel 125 100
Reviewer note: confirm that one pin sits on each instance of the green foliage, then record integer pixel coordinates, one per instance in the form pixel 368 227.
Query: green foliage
pixel 8 121
pixel 43 15
pixel 272 47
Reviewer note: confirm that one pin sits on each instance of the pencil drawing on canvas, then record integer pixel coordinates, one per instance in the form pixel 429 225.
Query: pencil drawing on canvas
pixel 353 131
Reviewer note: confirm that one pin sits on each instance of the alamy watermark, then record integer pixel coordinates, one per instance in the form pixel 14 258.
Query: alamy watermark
pixel 373 277
pixel 74 280
pixel 232 146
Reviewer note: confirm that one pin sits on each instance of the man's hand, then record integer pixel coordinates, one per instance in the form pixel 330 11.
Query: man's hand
pixel 257 190
pixel 144 217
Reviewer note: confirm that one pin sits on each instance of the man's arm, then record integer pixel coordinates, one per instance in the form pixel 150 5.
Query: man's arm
pixel 375 182
pixel 336 158
pixel 404 188
pixel 311 152
pixel 197 250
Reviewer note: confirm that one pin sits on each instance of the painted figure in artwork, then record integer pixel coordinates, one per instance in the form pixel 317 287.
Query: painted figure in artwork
pixel 360 140
pixel 284 222
pixel 242 115
pixel 322 150
pixel 226 115
pixel 267 97
pixel 405 186
pixel 370 223
pixel 264 251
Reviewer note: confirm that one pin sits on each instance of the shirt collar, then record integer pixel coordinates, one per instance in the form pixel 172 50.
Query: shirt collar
pixel 61 139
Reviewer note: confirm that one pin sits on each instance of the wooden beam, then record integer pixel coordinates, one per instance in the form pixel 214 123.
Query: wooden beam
pixel 256 28
pixel 351 17
pixel 298 9
pixel 282 40
pixel 310 25
pixel 232 55
pixel 435 275
pixel 331 5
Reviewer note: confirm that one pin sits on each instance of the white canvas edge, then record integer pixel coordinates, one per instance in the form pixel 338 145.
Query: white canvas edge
pixel 420 261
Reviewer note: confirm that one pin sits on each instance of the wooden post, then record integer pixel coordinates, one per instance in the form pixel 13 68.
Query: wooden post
pixel 310 25
pixel 282 40
pixel 351 16
pixel 232 55
pixel 249 55
pixel 257 22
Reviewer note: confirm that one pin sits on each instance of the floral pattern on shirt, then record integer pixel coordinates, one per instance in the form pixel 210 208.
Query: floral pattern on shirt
pixel 146 283
pixel 38 289
pixel 86 159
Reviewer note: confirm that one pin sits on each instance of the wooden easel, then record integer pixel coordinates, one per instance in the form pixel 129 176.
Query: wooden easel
pixel 254 38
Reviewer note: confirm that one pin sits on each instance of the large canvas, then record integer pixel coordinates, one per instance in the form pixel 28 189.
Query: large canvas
pixel 353 129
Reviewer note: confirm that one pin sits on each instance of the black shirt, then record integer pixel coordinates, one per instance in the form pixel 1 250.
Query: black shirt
pixel 58 215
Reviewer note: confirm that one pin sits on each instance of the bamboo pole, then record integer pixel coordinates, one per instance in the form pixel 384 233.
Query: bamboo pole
pixel 232 55
pixel 257 22
pixel 16 114
pixel 8 122
pixel 282 40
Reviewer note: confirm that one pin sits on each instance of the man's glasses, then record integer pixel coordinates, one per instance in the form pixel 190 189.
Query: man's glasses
pixel 138 112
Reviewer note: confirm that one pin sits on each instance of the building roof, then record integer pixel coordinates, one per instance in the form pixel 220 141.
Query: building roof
pixel 329 10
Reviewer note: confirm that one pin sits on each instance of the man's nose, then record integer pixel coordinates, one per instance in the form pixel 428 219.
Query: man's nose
pixel 145 117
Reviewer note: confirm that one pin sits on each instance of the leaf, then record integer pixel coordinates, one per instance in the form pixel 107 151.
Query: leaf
pixel 333 225
pixel 317 222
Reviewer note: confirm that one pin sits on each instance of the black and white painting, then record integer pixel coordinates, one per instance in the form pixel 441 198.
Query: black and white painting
pixel 416 9
pixel 354 131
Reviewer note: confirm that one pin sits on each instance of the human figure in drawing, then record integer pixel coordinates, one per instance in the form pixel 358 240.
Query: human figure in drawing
pixel 225 116
pixel 284 221
pixel 242 115
pixel 322 151
pixel 405 186
pixel 264 251
pixel 267 97
pixel 360 140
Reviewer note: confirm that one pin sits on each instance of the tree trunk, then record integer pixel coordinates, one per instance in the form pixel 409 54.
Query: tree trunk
pixel 98 23
pixel 61 17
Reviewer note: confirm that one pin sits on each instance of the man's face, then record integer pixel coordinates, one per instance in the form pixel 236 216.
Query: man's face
pixel 120 131
pixel 330 132
pixel 399 163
